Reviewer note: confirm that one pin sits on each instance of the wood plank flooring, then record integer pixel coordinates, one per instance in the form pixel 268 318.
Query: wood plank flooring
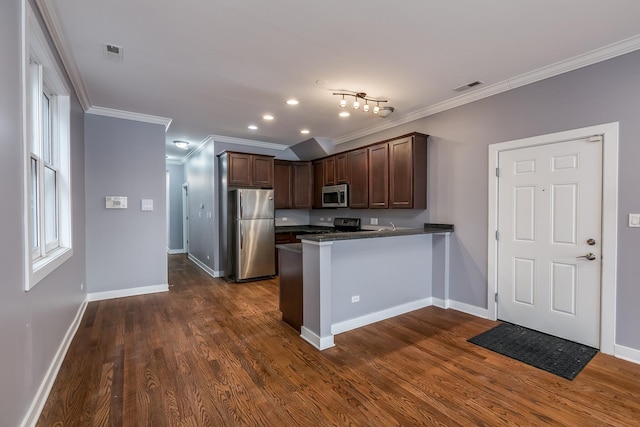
pixel 209 353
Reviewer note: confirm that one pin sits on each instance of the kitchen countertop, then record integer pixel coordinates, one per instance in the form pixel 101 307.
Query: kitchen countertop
pixel 301 229
pixel 291 247
pixel 330 237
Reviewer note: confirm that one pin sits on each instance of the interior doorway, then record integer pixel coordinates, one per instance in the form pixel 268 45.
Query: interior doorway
pixel 520 269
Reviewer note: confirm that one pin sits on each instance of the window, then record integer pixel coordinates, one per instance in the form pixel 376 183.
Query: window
pixel 47 156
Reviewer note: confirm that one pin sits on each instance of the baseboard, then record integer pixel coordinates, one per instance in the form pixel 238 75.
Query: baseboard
pixel 35 409
pixel 469 309
pixel 367 319
pixel 129 292
pixel 175 251
pixel 441 303
pixel 627 353
pixel 315 340
pixel 205 267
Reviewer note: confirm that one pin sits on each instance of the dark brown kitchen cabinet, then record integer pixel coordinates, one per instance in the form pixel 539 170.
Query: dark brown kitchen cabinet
pixel 282 176
pixel 341 168
pixel 293 185
pixel 291 296
pixel 301 185
pixel 379 176
pixel 281 239
pixel 248 170
pixel 329 171
pixel 358 174
pixel 408 172
pixel 318 177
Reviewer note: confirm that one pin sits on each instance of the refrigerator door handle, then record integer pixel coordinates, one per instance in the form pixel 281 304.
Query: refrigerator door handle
pixel 240 193
pixel 241 237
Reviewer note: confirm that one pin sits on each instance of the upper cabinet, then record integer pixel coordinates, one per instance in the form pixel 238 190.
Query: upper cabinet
pixel 341 168
pixel 248 170
pixel 293 185
pixel 408 172
pixel 334 170
pixel 318 182
pixel 379 176
pixel 358 175
pixel 329 168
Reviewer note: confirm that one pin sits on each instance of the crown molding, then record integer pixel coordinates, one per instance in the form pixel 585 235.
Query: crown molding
pixel 177 162
pixel 249 142
pixel 52 22
pixel 129 115
pixel 598 55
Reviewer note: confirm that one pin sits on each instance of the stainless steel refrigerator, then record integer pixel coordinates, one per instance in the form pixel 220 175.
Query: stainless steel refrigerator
pixel 251 240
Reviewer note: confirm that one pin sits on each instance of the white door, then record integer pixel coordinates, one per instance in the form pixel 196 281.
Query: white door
pixel 549 242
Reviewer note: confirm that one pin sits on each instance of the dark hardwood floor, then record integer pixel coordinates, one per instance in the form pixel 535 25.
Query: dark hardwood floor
pixel 209 353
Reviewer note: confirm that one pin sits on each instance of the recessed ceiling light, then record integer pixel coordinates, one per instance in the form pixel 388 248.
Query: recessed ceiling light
pixel 267 117
pixel 344 114
pixel 252 127
pixel 292 101
pixel 304 131
pixel 182 144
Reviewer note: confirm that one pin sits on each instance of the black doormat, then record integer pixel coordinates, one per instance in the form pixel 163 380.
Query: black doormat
pixel 552 354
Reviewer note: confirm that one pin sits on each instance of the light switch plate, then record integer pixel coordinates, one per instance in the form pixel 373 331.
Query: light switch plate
pixel 634 220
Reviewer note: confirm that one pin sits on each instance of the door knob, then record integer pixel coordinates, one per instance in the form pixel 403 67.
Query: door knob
pixel 591 242
pixel 590 256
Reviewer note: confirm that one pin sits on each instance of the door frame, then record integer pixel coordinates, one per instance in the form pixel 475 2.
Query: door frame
pixel 185 218
pixel 609 132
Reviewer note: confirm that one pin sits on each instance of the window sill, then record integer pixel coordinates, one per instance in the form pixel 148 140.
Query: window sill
pixel 43 267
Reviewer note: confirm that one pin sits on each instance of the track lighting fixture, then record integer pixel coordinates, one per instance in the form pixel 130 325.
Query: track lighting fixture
pixel 359 97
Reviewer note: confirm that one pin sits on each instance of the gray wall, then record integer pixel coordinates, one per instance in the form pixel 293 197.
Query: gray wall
pixel 176 179
pixel 458 167
pixel 32 324
pixel 126 248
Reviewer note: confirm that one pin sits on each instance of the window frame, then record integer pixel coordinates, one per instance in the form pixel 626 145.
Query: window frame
pixel 43 77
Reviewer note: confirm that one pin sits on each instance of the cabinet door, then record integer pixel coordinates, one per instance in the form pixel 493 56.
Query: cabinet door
pixel 262 171
pixel 239 169
pixel 341 168
pixel 282 184
pixel 401 173
pixel 318 177
pixel 379 176
pixel 302 185
pixel 330 171
pixel 358 174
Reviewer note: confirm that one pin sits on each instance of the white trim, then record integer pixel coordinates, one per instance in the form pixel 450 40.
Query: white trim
pixel 35 409
pixel 249 142
pixel 52 22
pixel 129 115
pixel 129 292
pixel 440 302
pixel 367 319
pixel 177 162
pixel 175 251
pixel 206 268
pixel 609 220
pixel 627 353
pixel 597 55
pixel 469 309
pixel 315 340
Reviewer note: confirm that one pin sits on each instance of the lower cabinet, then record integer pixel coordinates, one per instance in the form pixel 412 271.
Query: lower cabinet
pixel 281 239
pixel 291 287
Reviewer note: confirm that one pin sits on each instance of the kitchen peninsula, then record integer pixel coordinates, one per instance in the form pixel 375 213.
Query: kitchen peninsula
pixel 354 279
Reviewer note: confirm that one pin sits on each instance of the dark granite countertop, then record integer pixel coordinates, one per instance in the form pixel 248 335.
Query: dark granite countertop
pixel 427 229
pixel 291 247
pixel 302 229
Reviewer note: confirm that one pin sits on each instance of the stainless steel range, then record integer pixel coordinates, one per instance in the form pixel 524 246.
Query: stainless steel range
pixel 346 225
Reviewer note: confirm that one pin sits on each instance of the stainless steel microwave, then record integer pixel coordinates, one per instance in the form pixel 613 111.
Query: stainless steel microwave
pixel 335 196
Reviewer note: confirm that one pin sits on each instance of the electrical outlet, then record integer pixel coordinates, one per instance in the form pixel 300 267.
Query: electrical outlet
pixel 321 219
pixel 284 218
pixel 82 286
pixel 329 219
pixel 374 221
pixel 355 298
pixel 634 220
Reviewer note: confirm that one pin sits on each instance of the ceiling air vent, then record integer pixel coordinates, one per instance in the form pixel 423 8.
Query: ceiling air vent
pixel 112 52
pixel 468 86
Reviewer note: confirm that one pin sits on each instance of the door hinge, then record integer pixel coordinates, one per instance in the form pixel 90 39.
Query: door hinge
pixel 496 297
pixel 498 172
pixel 497 235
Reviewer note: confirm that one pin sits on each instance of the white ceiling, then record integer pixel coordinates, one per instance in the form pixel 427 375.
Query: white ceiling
pixel 214 67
